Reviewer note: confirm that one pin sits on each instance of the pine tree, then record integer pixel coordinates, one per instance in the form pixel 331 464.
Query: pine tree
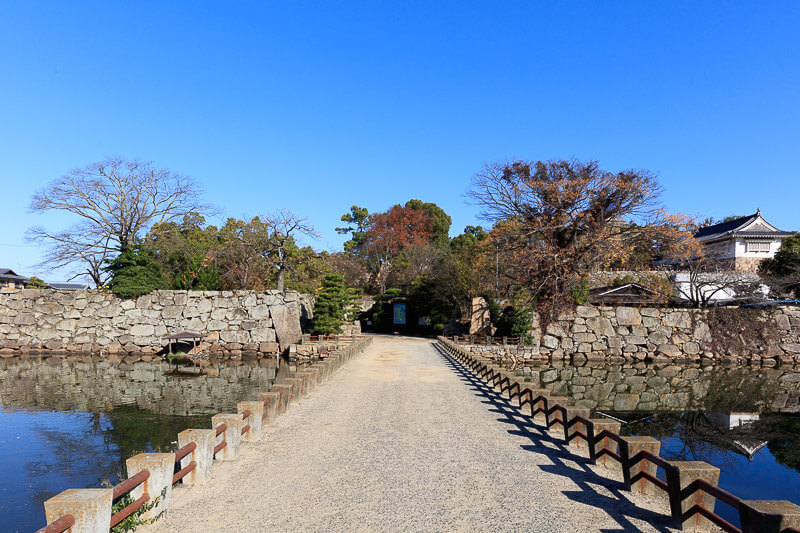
pixel 331 306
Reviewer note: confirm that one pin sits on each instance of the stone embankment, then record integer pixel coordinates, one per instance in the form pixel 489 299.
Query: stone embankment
pixel 664 334
pixel 75 322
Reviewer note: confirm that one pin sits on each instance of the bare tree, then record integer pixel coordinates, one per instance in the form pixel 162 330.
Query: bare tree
pixel 703 280
pixel 114 201
pixel 284 226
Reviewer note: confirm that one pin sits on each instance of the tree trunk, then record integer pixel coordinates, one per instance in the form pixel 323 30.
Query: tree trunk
pixel 281 278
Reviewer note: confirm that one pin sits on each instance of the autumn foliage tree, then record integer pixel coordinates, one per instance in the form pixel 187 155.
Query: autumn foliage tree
pixel 556 221
pixel 389 233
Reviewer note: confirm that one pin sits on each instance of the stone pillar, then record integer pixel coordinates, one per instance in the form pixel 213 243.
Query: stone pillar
pixel 555 415
pixel 286 391
pixel 569 431
pixel 203 455
pixel 271 401
pixel 599 425
pixel 538 417
pixel 768 516
pixel 91 509
pixel 309 378
pixel 159 485
pixel 232 435
pixel 298 390
pixel 681 475
pixel 254 420
pixel 629 447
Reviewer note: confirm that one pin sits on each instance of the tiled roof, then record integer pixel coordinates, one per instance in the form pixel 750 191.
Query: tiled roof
pixel 736 227
pixel 724 227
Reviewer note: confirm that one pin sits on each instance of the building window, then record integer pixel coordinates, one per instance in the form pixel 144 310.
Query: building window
pixel 758 246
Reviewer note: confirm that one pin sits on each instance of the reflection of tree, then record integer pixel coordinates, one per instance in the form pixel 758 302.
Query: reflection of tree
pixel 739 389
pixel 91 451
pixel 783 442
pixel 697 437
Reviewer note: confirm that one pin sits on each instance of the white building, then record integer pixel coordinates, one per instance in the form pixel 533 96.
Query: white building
pixel 742 243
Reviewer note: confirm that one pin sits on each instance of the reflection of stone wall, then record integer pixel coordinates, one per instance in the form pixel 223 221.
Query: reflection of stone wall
pixel 651 333
pixel 98 385
pixel 641 387
pixel 33 321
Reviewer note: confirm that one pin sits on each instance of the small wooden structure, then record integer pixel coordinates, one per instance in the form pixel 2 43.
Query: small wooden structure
pixel 195 354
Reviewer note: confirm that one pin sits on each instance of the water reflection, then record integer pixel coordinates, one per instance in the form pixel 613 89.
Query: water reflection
pixel 664 387
pixel 69 423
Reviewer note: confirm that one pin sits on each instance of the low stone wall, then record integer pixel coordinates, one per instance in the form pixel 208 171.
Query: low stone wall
pixel 656 334
pixel 231 322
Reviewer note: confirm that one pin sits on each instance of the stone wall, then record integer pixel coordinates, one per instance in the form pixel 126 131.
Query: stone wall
pixel 231 322
pixel 656 334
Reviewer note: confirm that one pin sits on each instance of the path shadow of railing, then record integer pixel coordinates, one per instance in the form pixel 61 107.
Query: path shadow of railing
pixel 565 461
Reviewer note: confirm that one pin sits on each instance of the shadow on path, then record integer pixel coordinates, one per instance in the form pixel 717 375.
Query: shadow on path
pixel 593 489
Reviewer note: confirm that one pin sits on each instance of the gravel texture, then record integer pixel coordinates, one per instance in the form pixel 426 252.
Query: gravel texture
pixel 403 439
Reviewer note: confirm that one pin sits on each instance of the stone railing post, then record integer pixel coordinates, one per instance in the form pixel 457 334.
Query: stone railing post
pixel 598 426
pixel 286 390
pixel 272 405
pixel 679 476
pixel 570 412
pixel 297 387
pixel 232 435
pixel 91 509
pixel 254 420
pixel 629 447
pixel 539 418
pixel 159 485
pixel 768 516
pixel 203 455
pixel 554 416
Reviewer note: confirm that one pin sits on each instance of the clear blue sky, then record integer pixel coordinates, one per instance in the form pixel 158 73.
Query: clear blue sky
pixel 318 106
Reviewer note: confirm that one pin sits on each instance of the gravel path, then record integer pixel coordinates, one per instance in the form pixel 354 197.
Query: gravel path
pixel 400 439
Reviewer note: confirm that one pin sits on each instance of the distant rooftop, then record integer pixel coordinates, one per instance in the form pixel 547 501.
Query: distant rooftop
pixel 749 226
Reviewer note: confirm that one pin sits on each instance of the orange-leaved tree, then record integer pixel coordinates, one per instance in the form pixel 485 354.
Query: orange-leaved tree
pixel 557 221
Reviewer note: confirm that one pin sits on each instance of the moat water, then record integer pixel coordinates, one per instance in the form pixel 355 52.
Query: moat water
pixel 72 423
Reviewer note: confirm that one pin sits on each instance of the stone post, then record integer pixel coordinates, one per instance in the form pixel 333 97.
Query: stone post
pixel 91 509
pixel 254 420
pixel 203 455
pixel 629 447
pixel 286 390
pixel 298 391
pixel 552 417
pixel 309 377
pixel 768 516
pixel 159 485
pixel 681 475
pixel 271 401
pixel 541 418
pixel 598 426
pixel 570 432
pixel 232 435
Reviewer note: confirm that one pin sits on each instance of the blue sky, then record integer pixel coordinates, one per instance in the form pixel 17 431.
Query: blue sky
pixel 315 107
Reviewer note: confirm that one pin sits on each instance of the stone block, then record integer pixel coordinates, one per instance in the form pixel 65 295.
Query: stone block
pixel 768 516
pixel 203 455
pixel 629 448
pixel 158 486
pixel 628 316
pixel 605 424
pixel 256 409
pixel 91 509
pixel 586 311
pixel 232 435
pixel 681 475
pixel 669 350
pixel 678 319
